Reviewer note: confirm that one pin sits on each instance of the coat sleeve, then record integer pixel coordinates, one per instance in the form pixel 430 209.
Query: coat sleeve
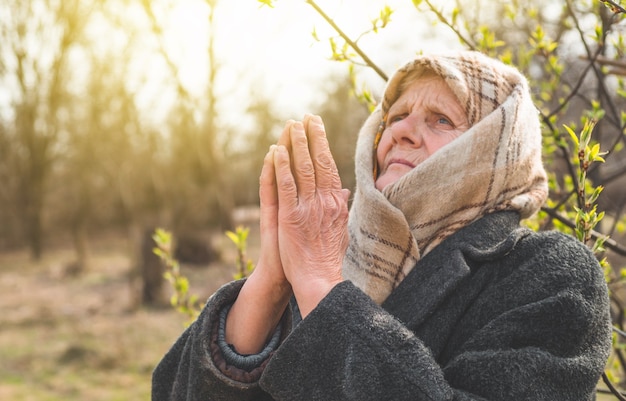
pixel 548 340
pixel 195 369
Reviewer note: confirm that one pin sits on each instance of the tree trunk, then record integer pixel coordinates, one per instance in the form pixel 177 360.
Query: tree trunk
pixel 152 269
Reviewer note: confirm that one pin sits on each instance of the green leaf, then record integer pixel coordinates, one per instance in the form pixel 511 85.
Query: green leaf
pixel 595 194
pixel 233 237
pixel 593 153
pixel 243 233
pixel 314 35
pixel 162 236
pixel 455 15
pixel 182 285
pixel 159 252
pixel 572 135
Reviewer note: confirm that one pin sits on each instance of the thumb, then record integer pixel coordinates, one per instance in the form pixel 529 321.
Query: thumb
pixel 345 194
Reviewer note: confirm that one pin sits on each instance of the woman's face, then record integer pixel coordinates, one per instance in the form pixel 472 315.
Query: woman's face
pixel 423 119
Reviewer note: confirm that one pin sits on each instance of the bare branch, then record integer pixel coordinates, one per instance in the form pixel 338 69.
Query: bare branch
pixel 599 75
pixel 576 88
pixel 612 388
pixel 445 21
pixel 350 42
pixel 158 32
pixel 607 61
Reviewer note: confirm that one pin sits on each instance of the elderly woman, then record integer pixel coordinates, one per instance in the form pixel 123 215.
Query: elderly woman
pixel 430 289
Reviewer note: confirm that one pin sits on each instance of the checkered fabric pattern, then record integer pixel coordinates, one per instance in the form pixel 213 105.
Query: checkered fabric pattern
pixel 495 165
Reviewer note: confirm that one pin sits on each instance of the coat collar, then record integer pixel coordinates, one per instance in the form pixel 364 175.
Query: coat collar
pixel 440 271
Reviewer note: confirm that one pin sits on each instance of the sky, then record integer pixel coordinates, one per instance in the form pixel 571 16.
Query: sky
pixel 272 50
pixel 263 50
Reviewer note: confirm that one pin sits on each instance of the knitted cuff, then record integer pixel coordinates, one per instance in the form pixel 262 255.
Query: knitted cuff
pixel 244 362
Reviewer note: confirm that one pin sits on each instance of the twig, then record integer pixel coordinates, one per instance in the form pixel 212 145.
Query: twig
pixel 566 155
pixel 620 332
pixel 158 31
pixel 616 8
pixel 576 88
pixel 349 41
pixel 612 388
pixel 445 21
pixel 602 60
pixel 599 75
pixel 609 243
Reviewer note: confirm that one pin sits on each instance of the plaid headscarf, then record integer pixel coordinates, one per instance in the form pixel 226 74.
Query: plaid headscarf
pixel 495 165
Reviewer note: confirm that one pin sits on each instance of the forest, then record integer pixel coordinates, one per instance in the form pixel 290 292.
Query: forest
pixel 117 119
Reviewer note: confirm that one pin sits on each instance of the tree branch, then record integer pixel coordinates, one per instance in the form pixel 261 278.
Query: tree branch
pixel 599 75
pixel 576 88
pixel 349 41
pixel 612 388
pixel 616 8
pixel 158 32
pixel 445 21
pixel 608 242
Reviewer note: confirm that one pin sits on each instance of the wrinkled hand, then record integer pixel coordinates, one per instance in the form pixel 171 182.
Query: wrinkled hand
pixel 265 294
pixel 269 269
pixel 312 213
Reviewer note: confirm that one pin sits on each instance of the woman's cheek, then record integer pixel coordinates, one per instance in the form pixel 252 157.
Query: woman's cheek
pixel 381 151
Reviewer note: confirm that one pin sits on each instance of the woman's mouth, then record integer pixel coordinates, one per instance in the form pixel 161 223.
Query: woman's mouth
pixel 400 161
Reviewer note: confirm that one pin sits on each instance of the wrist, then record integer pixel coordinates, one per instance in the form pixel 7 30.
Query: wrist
pixel 256 312
pixel 267 287
pixel 309 293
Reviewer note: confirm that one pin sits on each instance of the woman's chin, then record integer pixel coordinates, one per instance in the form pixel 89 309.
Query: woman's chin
pixel 387 178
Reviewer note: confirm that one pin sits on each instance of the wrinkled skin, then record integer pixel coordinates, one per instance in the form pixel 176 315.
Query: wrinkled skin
pixel 422 120
pixel 304 214
pixel 312 215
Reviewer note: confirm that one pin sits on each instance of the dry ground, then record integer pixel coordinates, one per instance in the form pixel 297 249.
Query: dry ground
pixel 81 337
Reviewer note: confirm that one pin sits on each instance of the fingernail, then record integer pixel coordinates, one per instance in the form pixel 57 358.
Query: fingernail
pixel 317 120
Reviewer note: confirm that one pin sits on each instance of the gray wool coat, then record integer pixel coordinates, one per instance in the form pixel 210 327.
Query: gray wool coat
pixel 495 312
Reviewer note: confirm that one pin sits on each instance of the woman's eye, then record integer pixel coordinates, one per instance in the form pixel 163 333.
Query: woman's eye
pixel 396 118
pixel 444 120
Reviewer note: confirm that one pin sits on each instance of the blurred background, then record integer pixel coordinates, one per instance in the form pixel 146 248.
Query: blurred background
pixel 118 117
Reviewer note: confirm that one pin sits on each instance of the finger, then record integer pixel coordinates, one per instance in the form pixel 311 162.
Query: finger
pixel 304 173
pixel 285 182
pixel 284 136
pixel 284 139
pixel 267 181
pixel 326 173
pixel 345 195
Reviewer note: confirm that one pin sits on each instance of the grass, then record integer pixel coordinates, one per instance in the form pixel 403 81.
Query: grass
pixel 83 337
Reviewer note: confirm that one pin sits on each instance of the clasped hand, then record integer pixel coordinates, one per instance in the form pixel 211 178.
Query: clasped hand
pixel 304 212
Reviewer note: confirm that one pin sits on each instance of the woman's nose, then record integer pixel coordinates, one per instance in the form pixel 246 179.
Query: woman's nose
pixel 408 132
